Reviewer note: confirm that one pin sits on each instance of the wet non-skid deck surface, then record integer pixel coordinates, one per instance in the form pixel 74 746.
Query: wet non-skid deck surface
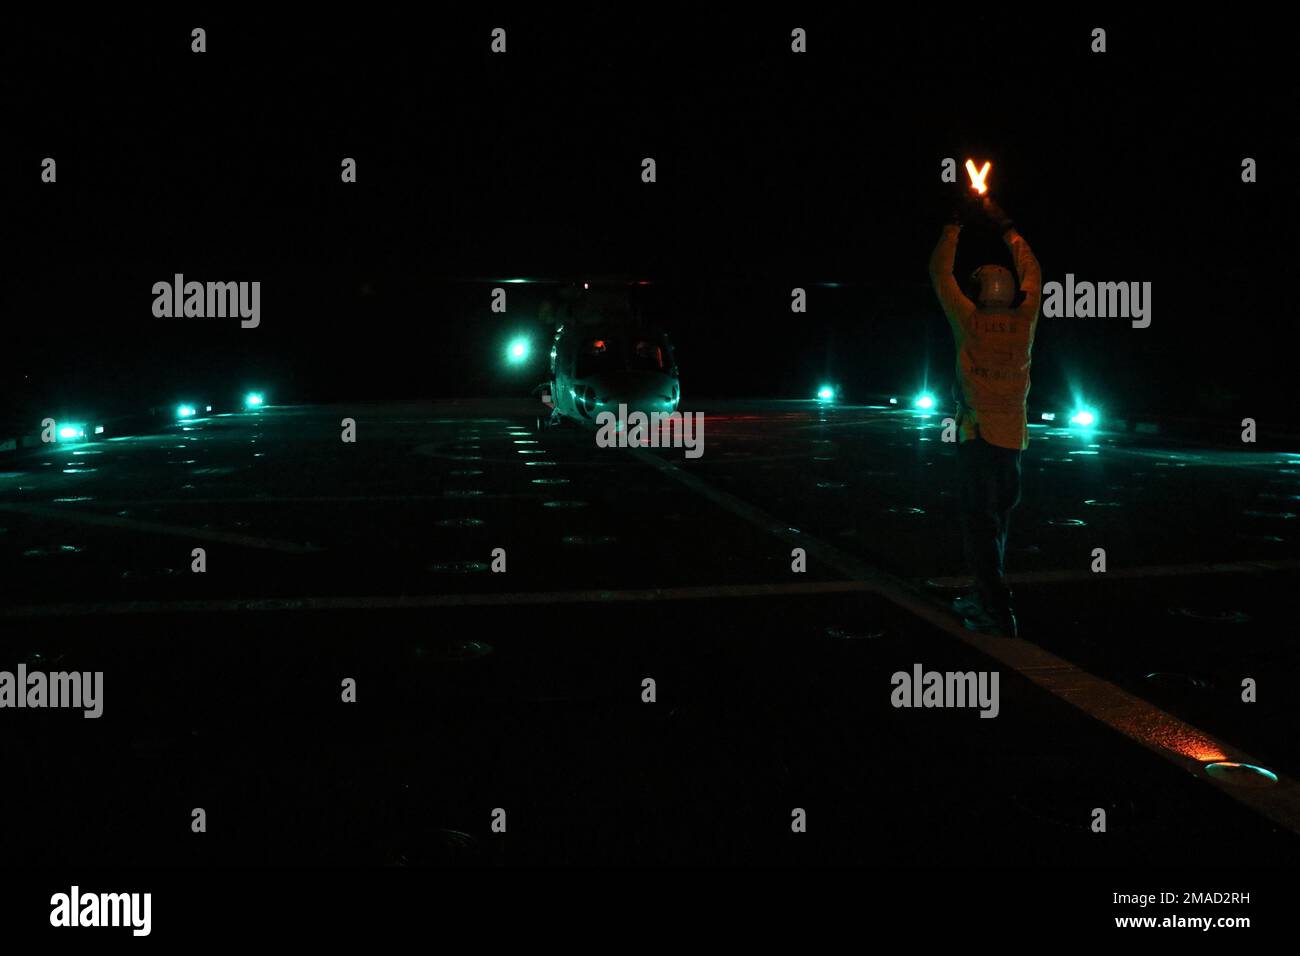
pixel 222 688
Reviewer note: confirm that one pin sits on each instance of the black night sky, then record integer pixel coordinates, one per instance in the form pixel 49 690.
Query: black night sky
pixel 774 171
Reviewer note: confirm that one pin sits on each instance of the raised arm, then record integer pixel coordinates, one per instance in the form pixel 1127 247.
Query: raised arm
pixel 1028 273
pixel 955 304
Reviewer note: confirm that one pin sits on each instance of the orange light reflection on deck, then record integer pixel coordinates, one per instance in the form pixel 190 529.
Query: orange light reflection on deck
pixel 1159 730
pixel 1199 749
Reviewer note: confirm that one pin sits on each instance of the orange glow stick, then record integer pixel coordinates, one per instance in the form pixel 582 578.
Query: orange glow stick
pixel 977 179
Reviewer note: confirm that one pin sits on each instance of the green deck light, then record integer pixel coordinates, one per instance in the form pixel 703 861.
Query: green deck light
pixel 517 351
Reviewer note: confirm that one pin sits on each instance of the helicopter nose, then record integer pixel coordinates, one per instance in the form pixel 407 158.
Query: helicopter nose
pixel 640 396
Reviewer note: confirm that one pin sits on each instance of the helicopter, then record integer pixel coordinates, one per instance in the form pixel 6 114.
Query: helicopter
pixel 604 354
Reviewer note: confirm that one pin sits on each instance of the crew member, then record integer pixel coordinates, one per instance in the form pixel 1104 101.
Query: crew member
pixel 994 335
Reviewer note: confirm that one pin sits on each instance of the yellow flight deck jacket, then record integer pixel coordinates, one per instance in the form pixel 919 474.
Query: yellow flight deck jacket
pixel 993 345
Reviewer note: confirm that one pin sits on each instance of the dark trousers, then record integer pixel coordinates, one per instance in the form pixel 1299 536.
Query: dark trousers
pixel 990 489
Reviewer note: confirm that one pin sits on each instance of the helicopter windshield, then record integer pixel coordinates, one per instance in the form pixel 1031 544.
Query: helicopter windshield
pixel 600 354
pixel 648 355
pixel 606 354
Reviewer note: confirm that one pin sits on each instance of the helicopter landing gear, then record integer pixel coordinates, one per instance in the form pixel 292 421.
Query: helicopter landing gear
pixel 548 421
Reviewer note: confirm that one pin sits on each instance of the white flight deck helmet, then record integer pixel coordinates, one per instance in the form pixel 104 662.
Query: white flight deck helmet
pixel 997 287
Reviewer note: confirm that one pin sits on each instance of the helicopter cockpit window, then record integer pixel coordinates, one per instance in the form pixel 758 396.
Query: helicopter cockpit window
pixel 597 355
pixel 648 355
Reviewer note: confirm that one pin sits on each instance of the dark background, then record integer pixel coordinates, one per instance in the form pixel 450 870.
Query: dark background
pixel 774 170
